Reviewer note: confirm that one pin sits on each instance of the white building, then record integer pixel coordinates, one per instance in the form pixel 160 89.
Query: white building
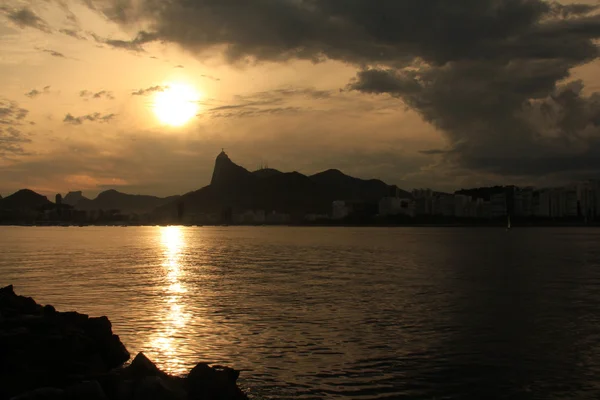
pixel 541 204
pixel 277 218
pixel 339 210
pixel 461 205
pixel 250 217
pixel 396 206
pixel 424 201
pixel 588 197
pixel 499 206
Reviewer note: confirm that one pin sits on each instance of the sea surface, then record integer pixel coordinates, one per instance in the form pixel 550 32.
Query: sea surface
pixel 337 313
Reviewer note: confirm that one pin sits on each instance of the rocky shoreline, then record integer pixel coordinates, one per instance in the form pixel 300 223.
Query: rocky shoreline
pixel 51 355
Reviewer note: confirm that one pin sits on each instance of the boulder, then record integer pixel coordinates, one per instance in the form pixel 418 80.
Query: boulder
pixel 51 355
pixel 42 394
pixel 40 347
pixel 213 383
pixel 88 390
pixel 157 388
pixel 141 367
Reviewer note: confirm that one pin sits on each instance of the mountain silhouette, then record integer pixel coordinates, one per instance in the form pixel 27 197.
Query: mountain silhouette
pixel 24 199
pixel 234 187
pixel 227 173
pixel 72 198
pixel 126 203
pixel 344 187
pixel 266 173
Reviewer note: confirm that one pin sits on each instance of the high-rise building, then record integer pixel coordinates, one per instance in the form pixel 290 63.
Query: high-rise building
pixel 499 205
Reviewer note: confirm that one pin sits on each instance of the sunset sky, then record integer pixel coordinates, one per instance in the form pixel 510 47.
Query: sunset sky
pixel 141 95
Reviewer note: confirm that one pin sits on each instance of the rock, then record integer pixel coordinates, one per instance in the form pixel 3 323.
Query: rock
pixel 42 394
pixel 88 390
pixel 98 327
pixel 40 347
pixel 125 390
pixel 51 355
pixel 49 310
pixel 7 291
pixel 212 383
pixel 141 366
pixel 115 353
pixel 156 388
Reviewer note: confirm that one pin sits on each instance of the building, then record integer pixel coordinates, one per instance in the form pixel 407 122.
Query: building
pixel 485 209
pixel 424 201
pixel 499 205
pixel 461 205
pixel 588 199
pixel 339 210
pixel 249 217
pixel 541 203
pixel 277 218
pixel 396 206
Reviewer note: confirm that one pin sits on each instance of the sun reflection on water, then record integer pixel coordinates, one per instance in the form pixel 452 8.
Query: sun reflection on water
pixel 174 317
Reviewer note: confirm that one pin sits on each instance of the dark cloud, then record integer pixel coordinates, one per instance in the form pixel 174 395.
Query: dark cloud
pixel 25 17
pixel 254 112
pixel 33 93
pixel 135 45
pixel 433 152
pixel 96 95
pixel 11 113
pixel 94 117
pixel 152 89
pixel 212 78
pixel 11 142
pixel 179 66
pixel 54 53
pixel 359 31
pixel 73 33
pixel 486 73
pixel 272 102
pixel 11 138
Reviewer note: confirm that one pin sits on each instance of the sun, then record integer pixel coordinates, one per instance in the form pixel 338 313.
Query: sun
pixel 177 104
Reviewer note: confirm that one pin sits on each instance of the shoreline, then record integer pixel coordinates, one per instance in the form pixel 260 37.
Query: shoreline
pixel 51 355
pixel 329 225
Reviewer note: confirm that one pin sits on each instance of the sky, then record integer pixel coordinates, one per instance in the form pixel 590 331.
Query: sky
pixel 142 95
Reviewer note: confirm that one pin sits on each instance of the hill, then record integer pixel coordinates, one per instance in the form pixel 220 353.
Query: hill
pixel 24 199
pixel 234 188
pixel 126 203
pixel 341 186
pixel 266 173
pixel 72 198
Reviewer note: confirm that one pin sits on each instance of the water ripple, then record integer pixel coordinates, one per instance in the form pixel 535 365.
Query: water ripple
pixel 334 313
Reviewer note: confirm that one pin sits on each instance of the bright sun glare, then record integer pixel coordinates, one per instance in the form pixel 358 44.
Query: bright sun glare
pixel 177 104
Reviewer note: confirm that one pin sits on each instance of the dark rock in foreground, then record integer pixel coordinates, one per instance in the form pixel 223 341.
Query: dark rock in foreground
pixel 50 355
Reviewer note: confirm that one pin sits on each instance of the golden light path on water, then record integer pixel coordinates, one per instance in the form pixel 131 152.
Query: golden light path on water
pixel 175 317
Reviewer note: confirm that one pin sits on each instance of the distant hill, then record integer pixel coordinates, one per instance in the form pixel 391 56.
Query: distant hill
pixel 24 199
pixel 72 198
pixel 342 186
pixel 126 203
pixel 234 187
pixel 266 173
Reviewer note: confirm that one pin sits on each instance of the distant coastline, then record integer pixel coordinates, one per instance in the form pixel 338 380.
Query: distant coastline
pixel 237 196
pixel 341 224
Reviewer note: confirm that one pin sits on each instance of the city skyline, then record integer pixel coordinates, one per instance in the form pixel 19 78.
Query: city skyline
pixel 118 94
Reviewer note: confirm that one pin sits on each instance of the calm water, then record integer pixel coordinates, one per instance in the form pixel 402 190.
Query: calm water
pixel 333 313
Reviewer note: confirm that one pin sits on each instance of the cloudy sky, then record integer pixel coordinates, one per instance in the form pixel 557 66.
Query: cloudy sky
pixel 141 95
